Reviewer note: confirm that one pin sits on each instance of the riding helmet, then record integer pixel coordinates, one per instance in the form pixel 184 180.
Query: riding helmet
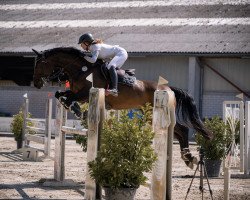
pixel 87 37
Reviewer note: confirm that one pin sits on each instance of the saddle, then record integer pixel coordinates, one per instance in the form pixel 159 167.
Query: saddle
pixel 125 77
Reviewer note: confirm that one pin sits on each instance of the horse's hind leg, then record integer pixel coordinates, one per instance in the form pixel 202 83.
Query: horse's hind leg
pixel 181 133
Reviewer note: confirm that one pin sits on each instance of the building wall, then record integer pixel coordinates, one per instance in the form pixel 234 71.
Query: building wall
pixel 216 89
pixel 174 68
pixel 236 70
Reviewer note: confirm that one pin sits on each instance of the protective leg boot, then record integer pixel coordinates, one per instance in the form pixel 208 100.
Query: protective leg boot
pixel 63 101
pixel 76 110
pixel 114 81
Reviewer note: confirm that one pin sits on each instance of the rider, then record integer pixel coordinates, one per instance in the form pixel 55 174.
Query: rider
pixel 117 56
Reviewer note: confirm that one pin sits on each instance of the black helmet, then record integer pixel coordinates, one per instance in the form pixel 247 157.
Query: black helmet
pixel 87 37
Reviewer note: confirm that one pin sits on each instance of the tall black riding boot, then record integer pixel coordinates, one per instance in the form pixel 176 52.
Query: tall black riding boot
pixel 114 82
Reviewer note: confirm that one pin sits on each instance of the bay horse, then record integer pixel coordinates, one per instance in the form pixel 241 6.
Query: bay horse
pixel 69 63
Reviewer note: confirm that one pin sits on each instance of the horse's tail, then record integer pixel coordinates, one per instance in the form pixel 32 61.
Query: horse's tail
pixel 187 112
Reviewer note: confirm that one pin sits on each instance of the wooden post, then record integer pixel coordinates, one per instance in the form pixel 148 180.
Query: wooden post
pixel 25 115
pixel 242 137
pixel 163 124
pixel 95 116
pixel 59 160
pixel 227 175
pixel 47 136
pixel 247 139
pixel 171 106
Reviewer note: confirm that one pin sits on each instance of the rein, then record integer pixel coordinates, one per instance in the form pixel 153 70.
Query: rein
pixel 58 74
pixel 55 75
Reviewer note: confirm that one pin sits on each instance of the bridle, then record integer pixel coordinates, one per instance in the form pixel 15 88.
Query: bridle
pixel 57 73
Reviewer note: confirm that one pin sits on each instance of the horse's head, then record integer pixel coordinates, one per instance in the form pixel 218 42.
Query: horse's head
pixel 42 70
pixel 55 64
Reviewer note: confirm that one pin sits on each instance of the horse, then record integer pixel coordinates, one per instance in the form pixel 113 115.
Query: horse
pixel 68 63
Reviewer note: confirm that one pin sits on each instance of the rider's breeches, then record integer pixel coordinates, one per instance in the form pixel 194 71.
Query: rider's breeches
pixel 119 59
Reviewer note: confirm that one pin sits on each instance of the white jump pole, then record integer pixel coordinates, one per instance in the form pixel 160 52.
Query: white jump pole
pixel 247 139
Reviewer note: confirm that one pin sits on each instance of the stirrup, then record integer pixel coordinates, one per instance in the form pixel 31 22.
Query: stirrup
pixel 113 92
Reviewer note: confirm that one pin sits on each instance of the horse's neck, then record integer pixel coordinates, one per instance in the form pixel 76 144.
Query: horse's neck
pixel 68 64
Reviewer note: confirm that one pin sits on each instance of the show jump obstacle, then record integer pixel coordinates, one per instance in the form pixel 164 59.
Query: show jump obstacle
pixel 237 111
pixel 41 136
pixel 163 124
pixel 96 115
pixel 233 112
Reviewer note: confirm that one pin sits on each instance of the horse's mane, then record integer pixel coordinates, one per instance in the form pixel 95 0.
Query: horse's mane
pixel 69 50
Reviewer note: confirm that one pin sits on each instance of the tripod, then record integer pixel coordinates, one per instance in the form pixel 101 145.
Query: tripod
pixel 203 171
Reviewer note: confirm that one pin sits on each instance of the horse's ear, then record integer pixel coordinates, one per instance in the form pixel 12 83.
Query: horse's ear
pixel 37 53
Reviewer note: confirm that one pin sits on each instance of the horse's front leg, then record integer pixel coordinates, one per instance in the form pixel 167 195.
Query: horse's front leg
pixel 181 133
pixel 70 100
pixel 64 97
pixel 72 104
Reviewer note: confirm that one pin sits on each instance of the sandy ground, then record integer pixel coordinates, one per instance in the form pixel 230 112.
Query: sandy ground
pixel 20 179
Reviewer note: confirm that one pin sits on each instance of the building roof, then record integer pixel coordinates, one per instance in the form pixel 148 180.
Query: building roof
pixel 174 26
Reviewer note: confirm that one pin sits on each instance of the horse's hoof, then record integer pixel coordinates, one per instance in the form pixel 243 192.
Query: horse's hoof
pixel 186 156
pixel 195 161
pixel 191 165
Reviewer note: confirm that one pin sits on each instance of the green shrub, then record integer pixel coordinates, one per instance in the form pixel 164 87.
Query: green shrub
pixel 17 125
pixel 216 148
pixel 125 152
pixel 82 139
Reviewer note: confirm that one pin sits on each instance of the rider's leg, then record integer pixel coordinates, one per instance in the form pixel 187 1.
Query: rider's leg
pixel 114 81
pixel 116 62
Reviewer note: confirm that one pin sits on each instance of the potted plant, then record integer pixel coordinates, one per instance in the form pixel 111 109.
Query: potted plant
pixel 16 127
pixel 215 149
pixel 125 154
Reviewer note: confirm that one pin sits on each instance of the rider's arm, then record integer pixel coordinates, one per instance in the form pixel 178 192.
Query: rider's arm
pixel 93 58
